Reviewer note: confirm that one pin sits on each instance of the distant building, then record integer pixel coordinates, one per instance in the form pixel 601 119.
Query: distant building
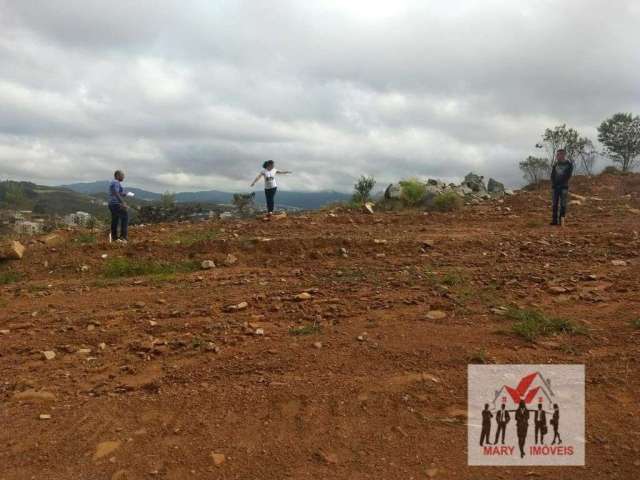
pixel 24 227
pixel 78 219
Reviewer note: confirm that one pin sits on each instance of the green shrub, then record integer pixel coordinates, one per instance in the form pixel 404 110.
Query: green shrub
pixel 124 267
pixel 413 191
pixel 531 324
pixel 636 323
pixel 305 329
pixel 362 189
pixel 448 202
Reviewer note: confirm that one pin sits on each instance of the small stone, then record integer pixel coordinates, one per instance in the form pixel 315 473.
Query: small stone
pixel 619 263
pixel 84 351
pixel 139 304
pixel 327 457
pixel 49 354
pixel 317 345
pixel 236 307
pixel 557 289
pixel 303 296
pixel 432 472
pixel 106 448
pixel 35 395
pixel 207 264
pixel 218 459
pixel 5 332
pixel 379 242
pixel 259 331
pixel 361 338
pixel 102 346
pixel 153 323
pixel 436 315
pixel 44 416
pixel 103 256
pixel 84 268
pixel 230 260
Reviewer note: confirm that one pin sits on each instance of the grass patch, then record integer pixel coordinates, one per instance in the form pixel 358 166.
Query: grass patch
pixel 189 238
pixel 531 324
pixel 452 279
pixel 448 202
pixel 86 239
pixel 9 277
pixel 479 357
pixel 305 330
pixel 125 267
pixel 636 323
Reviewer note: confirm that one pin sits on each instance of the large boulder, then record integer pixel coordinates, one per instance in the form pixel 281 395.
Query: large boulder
pixel 475 182
pixel 11 250
pixel 494 187
pixel 393 192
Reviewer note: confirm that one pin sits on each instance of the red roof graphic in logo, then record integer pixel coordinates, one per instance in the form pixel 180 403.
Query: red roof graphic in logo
pixel 522 392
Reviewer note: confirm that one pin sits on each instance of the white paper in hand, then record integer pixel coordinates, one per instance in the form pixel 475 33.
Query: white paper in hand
pixel 131 194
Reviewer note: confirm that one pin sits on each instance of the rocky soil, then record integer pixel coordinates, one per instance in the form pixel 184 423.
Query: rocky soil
pixel 324 345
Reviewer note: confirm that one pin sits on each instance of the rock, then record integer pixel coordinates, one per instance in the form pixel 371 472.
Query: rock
pixel 102 346
pixel 5 332
pixel 495 187
pixel 475 183
pixel 436 314
pixel 343 252
pixel 368 207
pixel 428 243
pixel 44 416
pixel 557 289
pixel 327 457
pixel 218 458
pixel 106 448
pixel 12 250
pixel 104 256
pixel 575 202
pixel 35 395
pixel 378 241
pixel 303 296
pixel 84 268
pixel 236 307
pixel 577 197
pixel 259 331
pixel 361 338
pixel 317 345
pixel 230 259
pixel 84 351
pixel 393 191
pixel 432 472
pixel 207 264
pixel 49 354
pixel 139 304
pixel 619 263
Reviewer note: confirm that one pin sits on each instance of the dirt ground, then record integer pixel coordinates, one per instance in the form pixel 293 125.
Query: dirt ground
pixel 155 377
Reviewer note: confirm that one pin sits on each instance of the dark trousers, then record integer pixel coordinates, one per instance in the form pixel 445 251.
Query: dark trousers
pixel 559 203
pixel 484 434
pixel 502 428
pixel 539 431
pixel 119 215
pixel 270 194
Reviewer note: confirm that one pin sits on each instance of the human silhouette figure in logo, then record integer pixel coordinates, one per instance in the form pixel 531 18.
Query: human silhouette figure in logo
pixel 555 422
pixel 540 422
pixel 502 418
pixel 522 424
pixel 486 425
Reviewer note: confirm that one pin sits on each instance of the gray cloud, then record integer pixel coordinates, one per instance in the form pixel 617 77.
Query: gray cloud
pixel 195 94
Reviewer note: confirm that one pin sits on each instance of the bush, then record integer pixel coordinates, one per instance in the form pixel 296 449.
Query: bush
pixel 448 202
pixel 362 189
pixel 413 190
pixel 9 277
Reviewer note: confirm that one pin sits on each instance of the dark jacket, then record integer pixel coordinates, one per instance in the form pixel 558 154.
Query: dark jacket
pixel 561 173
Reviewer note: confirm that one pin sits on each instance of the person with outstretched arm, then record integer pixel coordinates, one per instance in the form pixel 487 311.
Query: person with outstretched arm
pixel 269 173
pixel 560 176
pixel 118 208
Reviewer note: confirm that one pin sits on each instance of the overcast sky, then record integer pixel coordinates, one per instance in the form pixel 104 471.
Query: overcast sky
pixel 196 94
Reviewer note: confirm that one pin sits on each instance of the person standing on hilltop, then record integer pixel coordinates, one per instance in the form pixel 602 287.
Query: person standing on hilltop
pixel 270 186
pixel 118 208
pixel 560 176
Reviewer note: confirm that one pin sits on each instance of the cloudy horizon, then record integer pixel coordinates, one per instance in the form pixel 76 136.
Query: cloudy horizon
pixel 195 95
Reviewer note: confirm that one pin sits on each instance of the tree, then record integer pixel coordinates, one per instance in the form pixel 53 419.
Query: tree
pixel 587 158
pixel 363 188
pixel 535 169
pixel 567 138
pixel 168 199
pixel 620 134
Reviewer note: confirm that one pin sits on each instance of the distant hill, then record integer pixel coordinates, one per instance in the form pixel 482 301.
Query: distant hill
pixel 46 200
pixel 302 200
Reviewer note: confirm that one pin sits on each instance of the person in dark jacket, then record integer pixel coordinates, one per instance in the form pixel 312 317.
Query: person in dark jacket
pixel 560 176
pixel 522 424
pixel 486 425
pixel 502 418
pixel 540 422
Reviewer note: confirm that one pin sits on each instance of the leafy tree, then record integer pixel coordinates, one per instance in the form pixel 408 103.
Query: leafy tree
pixel 13 194
pixel 535 169
pixel 567 138
pixel 620 134
pixel 168 199
pixel 586 158
pixel 413 191
pixel 363 188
